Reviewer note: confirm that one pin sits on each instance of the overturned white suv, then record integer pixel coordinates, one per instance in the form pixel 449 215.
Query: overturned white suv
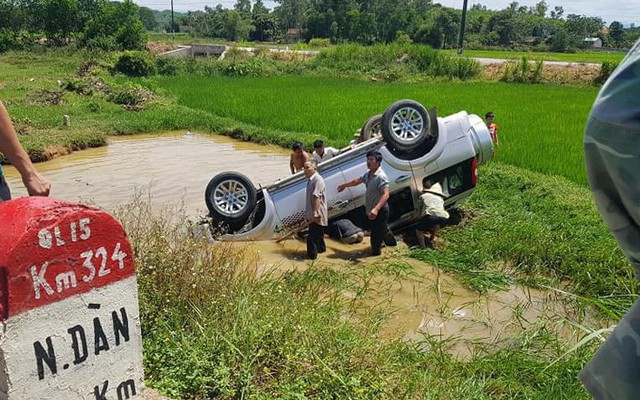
pixel 414 143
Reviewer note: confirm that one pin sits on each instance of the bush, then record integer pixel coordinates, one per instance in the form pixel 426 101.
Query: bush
pixel 130 96
pixel 169 65
pixel 403 38
pixel 135 63
pixel 11 40
pixel 319 42
pixel 606 69
pixel 521 71
pixel 250 67
pixel 101 42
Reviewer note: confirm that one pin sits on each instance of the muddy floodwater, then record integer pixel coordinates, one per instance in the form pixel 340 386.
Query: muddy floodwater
pixel 168 168
pixel 174 169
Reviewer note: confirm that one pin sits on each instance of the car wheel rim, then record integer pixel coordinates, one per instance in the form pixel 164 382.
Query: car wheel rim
pixel 230 197
pixel 407 124
pixel 375 130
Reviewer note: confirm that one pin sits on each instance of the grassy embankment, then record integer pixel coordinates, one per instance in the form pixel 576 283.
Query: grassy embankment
pixel 582 57
pixel 212 330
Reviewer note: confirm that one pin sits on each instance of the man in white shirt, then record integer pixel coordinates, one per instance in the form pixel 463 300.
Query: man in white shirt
pixel 316 210
pixel 321 153
pixel 432 211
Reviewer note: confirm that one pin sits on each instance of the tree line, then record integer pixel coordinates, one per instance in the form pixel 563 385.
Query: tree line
pixel 121 25
pixel 99 24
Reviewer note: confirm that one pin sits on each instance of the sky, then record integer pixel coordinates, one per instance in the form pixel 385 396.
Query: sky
pixel 625 11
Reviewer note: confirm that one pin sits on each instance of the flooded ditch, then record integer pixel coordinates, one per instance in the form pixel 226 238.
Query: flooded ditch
pixel 174 169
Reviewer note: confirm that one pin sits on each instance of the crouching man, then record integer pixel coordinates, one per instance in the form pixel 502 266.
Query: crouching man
pixel 345 231
pixel 432 211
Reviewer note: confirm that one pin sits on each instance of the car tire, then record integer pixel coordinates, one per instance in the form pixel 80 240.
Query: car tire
pixel 371 128
pixel 230 198
pixel 406 126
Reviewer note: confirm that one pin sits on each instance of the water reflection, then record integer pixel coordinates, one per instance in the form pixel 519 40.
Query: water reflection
pixel 167 168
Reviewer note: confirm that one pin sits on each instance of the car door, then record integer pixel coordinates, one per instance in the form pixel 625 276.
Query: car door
pixel 289 197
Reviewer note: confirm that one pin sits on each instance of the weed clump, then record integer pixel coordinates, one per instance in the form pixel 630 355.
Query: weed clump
pixel 135 63
pixel 522 72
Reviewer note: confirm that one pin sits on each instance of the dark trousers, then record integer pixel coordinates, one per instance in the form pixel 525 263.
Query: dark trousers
pixel 380 230
pixel 428 222
pixel 5 193
pixel 315 241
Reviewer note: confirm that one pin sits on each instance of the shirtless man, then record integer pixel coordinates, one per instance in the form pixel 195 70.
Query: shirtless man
pixel 36 184
pixel 298 157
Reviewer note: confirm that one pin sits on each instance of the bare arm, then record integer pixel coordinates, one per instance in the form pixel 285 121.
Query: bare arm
pixel 293 168
pixel 383 200
pixel 350 183
pixel 35 183
pixel 315 206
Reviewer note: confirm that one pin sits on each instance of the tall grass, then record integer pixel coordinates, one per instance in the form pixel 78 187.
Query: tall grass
pixel 418 58
pixel 541 127
pixel 545 230
pixel 211 329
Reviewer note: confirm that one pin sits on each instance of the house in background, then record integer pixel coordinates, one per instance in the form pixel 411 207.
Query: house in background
pixel 293 35
pixel 594 42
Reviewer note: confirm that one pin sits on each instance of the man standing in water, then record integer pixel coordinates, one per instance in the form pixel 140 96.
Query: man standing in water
pixel 376 197
pixel 35 183
pixel 298 157
pixel 316 210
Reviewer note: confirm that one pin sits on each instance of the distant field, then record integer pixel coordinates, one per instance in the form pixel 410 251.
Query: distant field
pixel 593 57
pixel 540 126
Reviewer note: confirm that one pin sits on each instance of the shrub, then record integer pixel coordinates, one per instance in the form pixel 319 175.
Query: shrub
pixel 521 71
pixel 250 67
pixel 403 38
pixel 129 96
pixel 101 42
pixel 169 65
pixel 606 69
pixel 135 63
pixel 319 42
pixel 16 40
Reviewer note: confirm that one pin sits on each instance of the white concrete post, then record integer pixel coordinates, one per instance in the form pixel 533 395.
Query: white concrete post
pixel 68 304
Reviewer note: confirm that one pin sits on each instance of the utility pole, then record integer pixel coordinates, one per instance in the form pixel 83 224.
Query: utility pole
pixel 463 22
pixel 173 25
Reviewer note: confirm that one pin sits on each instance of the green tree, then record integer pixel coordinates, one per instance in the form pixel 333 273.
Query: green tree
pixel 560 41
pixel 57 19
pixel 441 28
pixel 292 13
pixel 243 7
pixel 115 26
pixel 236 28
pixel 265 23
pixel 147 18
pixel 541 9
pixel 616 33
pixel 557 12
pixel 583 26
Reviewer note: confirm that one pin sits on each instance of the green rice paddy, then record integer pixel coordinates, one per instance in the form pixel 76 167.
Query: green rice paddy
pixel 541 126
